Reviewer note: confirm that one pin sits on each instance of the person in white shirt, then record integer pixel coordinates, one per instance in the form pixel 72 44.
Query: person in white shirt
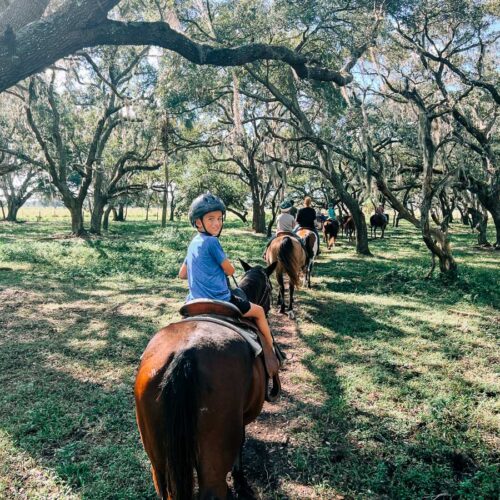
pixel 284 223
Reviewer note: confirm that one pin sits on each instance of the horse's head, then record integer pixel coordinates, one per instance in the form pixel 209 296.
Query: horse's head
pixel 257 285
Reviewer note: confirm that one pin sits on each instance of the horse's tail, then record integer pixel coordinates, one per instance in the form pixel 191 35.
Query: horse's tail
pixel 287 258
pixel 180 397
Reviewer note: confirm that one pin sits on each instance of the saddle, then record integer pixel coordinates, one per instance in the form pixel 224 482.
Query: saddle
pixel 210 306
pixel 228 315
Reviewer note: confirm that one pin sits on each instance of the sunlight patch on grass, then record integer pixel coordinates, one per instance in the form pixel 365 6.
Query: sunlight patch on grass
pixel 22 477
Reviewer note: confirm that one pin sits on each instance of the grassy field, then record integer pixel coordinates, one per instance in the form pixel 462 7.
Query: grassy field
pixel 398 380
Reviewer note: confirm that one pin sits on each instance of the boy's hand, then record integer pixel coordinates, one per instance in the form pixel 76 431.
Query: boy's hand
pixel 228 268
pixel 183 272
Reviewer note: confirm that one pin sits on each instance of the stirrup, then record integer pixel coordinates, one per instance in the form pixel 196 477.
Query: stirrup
pixel 273 394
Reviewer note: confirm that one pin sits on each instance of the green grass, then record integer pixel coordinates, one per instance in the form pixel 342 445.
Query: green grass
pixel 403 367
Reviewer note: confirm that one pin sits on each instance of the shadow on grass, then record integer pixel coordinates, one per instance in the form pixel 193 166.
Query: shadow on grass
pixel 67 382
pixel 67 398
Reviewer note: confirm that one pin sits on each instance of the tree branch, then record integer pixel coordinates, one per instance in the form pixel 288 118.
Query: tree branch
pixel 79 25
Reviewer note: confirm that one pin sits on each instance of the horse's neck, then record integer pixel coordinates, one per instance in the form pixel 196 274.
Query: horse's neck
pixel 253 290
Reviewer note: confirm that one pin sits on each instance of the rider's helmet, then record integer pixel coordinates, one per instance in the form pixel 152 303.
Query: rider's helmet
pixel 203 204
pixel 286 205
pixel 330 205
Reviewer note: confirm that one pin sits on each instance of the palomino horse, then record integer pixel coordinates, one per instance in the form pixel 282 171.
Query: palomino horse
pixel 378 220
pixel 312 245
pixel 330 232
pixel 291 257
pixel 197 386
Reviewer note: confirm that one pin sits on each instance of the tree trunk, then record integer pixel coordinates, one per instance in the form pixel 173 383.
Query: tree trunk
pixel 3 210
pixel 400 207
pixel 76 211
pixel 482 238
pixel 172 205
pixel 350 202
pixel 105 221
pixel 258 217
pixel 435 239
pixel 164 204
pixel 435 218
pixel 148 204
pixel 97 209
pixel 120 216
pixel 496 220
pixel 13 207
pixel 491 201
pixel 97 214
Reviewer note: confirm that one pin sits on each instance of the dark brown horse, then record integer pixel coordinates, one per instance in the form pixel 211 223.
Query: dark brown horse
pixel 312 246
pixel 330 232
pixel 378 221
pixel 348 227
pixel 291 259
pixel 198 385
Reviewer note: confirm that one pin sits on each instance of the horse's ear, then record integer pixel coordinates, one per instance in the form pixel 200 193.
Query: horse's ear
pixel 246 267
pixel 271 267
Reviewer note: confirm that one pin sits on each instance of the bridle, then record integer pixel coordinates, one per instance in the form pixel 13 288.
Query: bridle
pixel 267 293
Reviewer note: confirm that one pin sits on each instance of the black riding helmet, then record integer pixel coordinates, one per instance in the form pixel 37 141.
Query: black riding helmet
pixel 204 204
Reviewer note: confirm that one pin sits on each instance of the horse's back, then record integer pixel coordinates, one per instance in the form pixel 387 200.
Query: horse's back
pixel 378 220
pixel 197 383
pixel 274 247
pixel 207 343
pixel 331 227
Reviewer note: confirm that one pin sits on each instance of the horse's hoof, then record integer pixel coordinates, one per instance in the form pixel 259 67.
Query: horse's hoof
pixel 242 488
pixel 291 314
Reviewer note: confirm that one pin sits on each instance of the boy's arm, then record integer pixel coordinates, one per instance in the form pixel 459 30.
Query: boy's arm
pixel 183 272
pixel 227 267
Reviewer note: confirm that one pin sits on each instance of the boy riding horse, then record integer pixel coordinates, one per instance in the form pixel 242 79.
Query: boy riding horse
pixel 206 267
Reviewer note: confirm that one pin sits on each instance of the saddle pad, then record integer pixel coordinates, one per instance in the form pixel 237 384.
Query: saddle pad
pixel 248 335
pixel 209 306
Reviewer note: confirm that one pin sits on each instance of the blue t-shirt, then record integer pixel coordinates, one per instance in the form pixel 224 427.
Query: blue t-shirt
pixel 331 213
pixel 206 277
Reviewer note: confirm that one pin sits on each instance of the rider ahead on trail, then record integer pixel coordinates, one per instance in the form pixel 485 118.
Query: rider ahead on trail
pixel 331 212
pixel 206 267
pixel 285 221
pixel 306 217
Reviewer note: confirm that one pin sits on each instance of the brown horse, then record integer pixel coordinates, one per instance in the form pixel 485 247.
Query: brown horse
pixel 198 385
pixel 291 258
pixel 330 232
pixel 312 245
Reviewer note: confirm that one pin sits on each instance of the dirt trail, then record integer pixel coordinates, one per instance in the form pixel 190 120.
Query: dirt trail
pixel 269 449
